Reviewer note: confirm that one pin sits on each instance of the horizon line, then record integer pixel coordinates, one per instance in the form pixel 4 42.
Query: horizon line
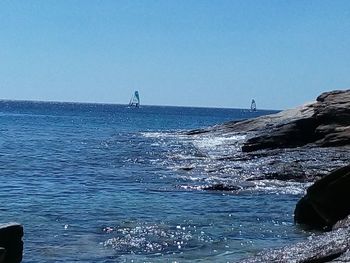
pixel 120 104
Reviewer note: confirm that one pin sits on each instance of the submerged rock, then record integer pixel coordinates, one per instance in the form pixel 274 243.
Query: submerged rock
pixel 329 247
pixel 221 187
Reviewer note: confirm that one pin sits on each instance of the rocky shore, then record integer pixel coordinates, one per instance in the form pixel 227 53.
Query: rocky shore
pixel 310 143
pixel 324 123
pixel 301 144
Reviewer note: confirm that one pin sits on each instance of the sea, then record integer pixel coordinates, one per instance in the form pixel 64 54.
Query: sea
pixel 108 183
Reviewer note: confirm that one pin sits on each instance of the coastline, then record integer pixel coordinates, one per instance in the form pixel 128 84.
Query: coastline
pixel 201 168
pixel 315 140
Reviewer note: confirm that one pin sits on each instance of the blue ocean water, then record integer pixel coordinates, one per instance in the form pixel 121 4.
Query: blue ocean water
pixel 103 183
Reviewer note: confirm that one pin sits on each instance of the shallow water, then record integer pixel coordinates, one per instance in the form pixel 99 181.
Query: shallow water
pixel 105 183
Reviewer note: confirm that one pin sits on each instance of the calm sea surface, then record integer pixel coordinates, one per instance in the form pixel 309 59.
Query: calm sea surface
pixel 103 183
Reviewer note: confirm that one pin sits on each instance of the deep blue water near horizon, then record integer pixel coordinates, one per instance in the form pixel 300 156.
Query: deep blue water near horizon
pixel 95 183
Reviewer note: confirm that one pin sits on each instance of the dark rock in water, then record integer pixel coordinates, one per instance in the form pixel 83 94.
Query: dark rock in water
pixel 221 187
pixel 306 215
pixel 187 168
pixel 326 201
pixel 11 241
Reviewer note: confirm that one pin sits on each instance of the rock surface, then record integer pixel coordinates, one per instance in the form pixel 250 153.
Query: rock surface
pixel 325 122
pixel 11 241
pixel 326 201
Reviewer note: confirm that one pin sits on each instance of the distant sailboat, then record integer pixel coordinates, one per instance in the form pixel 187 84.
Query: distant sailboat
pixel 253 105
pixel 135 100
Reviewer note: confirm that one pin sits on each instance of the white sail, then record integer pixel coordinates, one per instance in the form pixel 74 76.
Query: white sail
pixel 135 100
pixel 253 105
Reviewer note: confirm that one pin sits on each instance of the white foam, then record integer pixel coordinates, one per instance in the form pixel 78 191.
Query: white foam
pixel 162 135
pixel 280 187
pixel 214 141
pixel 154 134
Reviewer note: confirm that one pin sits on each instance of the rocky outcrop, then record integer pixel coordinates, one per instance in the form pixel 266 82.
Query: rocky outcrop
pixel 324 123
pixel 289 146
pixel 332 112
pixel 326 201
pixel 11 244
pixel 301 144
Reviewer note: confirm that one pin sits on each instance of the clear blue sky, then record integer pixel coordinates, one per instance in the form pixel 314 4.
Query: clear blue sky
pixel 212 53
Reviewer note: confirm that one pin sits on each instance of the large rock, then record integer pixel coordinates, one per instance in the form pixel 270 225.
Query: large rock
pixel 332 112
pixel 328 125
pixel 324 123
pixel 11 243
pixel 333 106
pixel 326 201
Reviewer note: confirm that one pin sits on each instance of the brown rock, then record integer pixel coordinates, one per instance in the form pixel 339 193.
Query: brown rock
pixel 324 123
